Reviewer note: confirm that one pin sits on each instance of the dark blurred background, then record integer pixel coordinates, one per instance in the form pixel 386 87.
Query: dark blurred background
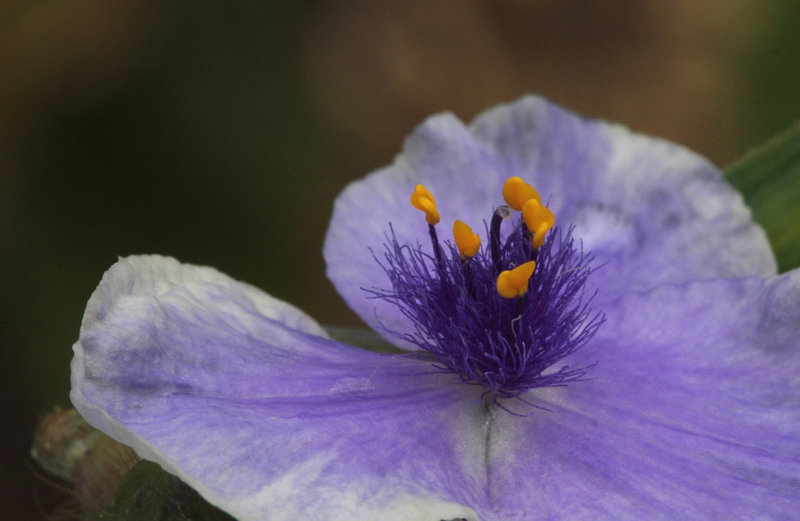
pixel 220 133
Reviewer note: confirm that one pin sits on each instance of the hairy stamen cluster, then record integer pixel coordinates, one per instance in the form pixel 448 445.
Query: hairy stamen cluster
pixel 506 345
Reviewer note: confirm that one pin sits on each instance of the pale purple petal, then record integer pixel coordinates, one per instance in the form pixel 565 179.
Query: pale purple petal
pixel 461 173
pixel 230 390
pixel 692 413
pixel 153 275
pixel 651 211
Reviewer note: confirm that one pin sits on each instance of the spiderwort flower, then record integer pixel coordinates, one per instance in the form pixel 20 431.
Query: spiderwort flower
pixel 622 349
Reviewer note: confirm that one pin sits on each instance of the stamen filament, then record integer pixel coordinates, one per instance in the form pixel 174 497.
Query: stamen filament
pixel 437 249
pixel 468 280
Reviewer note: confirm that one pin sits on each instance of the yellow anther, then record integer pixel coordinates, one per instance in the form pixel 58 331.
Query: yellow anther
pixel 467 242
pixel 539 219
pixel 517 192
pixel 514 283
pixel 422 199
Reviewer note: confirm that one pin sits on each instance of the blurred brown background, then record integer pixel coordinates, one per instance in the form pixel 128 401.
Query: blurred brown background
pixel 220 133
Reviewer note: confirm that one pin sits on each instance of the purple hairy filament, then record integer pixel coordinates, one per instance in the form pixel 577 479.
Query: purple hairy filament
pixel 507 345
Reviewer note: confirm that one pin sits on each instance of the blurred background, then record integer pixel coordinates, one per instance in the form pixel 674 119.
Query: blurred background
pixel 221 132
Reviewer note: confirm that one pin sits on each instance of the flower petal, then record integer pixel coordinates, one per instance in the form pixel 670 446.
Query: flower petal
pixel 233 391
pixel 462 175
pixel 651 211
pixel 154 275
pixel 692 413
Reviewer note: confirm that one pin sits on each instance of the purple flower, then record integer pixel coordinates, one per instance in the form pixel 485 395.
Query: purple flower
pixel 647 369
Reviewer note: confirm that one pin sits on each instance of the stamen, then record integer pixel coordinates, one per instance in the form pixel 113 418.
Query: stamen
pixel 502 212
pixel 514 283
pixel 437 249
pixel 539 219
pixel 422 199
pixel 502 329
pixel 517 192
pixel 467 241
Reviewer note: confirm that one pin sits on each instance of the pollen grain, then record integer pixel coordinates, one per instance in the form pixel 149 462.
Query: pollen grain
pixel 514 283
pixel 423 200
pixel 517 192
pixel 538 219
pixel 467 241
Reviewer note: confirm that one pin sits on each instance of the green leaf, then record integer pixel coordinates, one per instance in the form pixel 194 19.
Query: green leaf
pixel 148 493
pixel 769 179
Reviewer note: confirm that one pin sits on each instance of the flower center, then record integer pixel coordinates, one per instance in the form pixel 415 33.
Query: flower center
pixel 500 317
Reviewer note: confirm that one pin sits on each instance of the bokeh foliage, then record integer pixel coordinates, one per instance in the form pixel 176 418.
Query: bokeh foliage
pixel 769 179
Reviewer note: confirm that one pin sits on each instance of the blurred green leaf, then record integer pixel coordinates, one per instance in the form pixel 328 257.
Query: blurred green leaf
pixel 148 493
pixel 769 179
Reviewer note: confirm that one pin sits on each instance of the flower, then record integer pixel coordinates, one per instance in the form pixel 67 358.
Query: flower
pixel 683 404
